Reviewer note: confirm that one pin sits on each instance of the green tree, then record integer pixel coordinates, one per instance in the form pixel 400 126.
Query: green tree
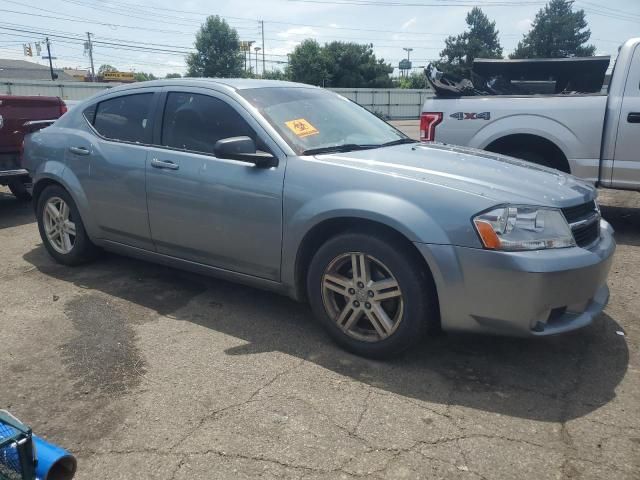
pixel 217 51
pixel 308 64
pixel 173 75
pixel 105 67
pixel 479 41
pixel 143 76
pixel 414 80
pixel 355 65
pixel 556 32
pixel 338 64
pixel 275 75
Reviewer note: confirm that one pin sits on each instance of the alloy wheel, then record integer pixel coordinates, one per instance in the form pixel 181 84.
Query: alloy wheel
pixel 361 295
pixel 59 226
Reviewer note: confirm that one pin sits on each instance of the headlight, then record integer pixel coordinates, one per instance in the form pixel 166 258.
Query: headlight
pixel 523 228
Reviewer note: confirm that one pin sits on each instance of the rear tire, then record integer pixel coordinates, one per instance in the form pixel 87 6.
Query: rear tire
pixel 19 190
pixel 381 310
pixel 61 227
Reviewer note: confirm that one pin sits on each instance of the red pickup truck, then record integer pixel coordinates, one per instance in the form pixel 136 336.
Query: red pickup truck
pixel 19 116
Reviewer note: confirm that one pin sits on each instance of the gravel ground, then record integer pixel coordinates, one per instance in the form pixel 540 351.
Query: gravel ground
pixel 147 372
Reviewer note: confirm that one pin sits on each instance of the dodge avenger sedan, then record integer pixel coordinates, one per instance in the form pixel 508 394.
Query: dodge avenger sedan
pixel 296 189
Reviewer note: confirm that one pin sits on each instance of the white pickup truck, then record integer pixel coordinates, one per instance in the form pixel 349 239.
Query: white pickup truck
pixel 595 136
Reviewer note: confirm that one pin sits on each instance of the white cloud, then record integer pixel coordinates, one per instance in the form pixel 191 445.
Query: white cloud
pixel 334 25
pixel 409 23
pixel 297 31
pixel 523 25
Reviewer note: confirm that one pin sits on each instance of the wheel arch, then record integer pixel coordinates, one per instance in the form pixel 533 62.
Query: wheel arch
pixel 534 143
pixel 329 228
pixel 71 185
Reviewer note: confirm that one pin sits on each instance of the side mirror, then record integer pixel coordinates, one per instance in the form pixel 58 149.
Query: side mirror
pixel 244 150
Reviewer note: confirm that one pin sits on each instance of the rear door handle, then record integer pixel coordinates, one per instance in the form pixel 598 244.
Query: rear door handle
pixel 79 150
pixel 169 165
pixel 634 117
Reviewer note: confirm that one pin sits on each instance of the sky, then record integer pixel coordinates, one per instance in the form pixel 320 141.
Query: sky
pixel 154 35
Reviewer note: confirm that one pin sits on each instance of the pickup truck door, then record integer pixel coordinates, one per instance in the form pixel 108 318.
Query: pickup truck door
pixel 626 164
pixel 217 212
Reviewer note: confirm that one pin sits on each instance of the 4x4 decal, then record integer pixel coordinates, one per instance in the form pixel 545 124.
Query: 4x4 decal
pixel 471 116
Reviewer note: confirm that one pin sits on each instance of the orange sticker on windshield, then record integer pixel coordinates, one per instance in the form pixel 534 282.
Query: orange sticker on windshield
pixel 301 127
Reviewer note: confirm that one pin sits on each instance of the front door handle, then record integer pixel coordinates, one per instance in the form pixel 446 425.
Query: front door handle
pixel 79 150
pixel 168 164
pixel 633 117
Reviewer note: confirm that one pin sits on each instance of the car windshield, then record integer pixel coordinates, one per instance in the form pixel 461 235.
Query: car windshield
pixel 313 121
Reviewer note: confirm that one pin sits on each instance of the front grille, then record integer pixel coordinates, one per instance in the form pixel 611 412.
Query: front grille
pixel 587 234
pixel 584 221
pixel 579 212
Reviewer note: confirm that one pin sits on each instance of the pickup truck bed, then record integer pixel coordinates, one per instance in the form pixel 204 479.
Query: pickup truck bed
pixel 594 136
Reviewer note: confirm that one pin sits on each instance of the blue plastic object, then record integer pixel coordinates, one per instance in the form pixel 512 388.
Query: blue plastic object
pixel 53 462
pixel 24 456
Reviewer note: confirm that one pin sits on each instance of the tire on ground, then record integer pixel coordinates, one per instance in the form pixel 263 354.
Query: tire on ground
pixel 83 249
pixel 418 290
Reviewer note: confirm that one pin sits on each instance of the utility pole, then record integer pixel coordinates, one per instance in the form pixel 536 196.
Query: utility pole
pixel 90 49
pixel 408 50
pixel 262 26
pixel 257 49
pixel 53 75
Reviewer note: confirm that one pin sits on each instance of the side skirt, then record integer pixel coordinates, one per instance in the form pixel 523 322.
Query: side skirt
pixel 194 267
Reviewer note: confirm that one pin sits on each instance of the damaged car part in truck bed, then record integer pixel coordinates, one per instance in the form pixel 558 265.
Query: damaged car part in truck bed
pixel 523 77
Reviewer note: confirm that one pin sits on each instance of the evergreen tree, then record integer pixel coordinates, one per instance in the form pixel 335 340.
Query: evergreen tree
pixel 479 41
pixel 557 32
pixel 217 51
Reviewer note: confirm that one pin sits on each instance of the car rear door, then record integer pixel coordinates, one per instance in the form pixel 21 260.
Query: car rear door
pixel 222 213
pixel 626 164
pixel 110 162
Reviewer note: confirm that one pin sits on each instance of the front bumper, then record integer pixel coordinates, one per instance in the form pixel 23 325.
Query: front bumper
pixel 537 293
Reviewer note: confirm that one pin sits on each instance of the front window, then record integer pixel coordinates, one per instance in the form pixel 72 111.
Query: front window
pixel 195 122
pixel 312 120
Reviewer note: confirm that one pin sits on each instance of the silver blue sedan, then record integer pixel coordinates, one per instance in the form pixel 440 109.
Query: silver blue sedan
pixel 298 190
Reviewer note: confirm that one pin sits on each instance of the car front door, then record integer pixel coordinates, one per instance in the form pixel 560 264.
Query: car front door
pixel 626 164
pixel 109 160
pixel 217 212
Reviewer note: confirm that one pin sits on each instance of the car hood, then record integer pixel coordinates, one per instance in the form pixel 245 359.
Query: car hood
pixel 496 177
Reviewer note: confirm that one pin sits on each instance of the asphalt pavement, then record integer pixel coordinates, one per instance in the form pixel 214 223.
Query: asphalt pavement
pixel 148 372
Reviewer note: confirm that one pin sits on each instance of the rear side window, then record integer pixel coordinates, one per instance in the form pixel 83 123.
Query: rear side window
pixel 124 118
pixel 196 122
pixel 90 113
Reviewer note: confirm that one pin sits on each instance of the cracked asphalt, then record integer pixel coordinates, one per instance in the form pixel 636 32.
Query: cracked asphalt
pixel 147 372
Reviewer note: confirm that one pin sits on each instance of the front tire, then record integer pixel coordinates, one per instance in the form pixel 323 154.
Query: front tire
pixel 372 297
pixel 61 227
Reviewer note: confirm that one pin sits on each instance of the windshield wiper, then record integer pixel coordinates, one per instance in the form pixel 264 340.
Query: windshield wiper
pixel 400 141
pixel 347 147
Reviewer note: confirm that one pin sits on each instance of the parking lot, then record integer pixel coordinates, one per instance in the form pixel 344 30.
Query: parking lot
pixel 143 371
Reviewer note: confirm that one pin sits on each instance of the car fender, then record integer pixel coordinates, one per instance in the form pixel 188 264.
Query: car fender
pixel 405 217
pixel 531 124
pixel 57 172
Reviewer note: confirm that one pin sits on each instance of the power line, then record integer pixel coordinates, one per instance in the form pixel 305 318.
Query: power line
pixel 370 3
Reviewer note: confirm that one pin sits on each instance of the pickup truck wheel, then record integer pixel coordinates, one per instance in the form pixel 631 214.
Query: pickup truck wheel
pixel 369 295
pixel 61 227
pixel 19 190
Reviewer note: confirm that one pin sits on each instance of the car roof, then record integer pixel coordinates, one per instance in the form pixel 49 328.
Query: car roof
pixel 215 83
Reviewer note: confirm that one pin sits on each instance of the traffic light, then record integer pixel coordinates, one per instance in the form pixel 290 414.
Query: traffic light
pixel 28 52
